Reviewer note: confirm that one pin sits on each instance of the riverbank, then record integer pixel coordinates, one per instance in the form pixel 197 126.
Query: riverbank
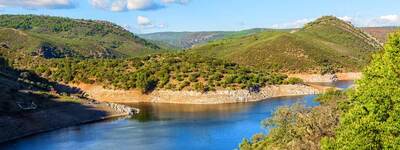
pixel 328 78
pixel 100 93
pixel 15 126
pixel 193 97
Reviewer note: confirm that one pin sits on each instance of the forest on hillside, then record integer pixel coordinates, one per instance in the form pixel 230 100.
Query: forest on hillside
pixel 174 71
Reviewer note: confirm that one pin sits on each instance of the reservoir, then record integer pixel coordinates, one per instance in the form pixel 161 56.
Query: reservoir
pixel 168 127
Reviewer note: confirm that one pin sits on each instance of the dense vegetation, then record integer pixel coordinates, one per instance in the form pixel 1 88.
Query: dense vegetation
pixel 56 37
pixel 372 118
pixel 366 117
pixel 323 46
pixel 299 127
pixel 178 71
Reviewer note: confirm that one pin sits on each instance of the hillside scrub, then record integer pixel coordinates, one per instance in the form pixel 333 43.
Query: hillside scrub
pixel 327 45
pixel 71 37
pixel 178 71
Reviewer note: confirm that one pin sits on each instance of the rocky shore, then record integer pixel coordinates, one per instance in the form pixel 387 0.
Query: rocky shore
pixel 217 97
pixel 192 97
pixel 15 126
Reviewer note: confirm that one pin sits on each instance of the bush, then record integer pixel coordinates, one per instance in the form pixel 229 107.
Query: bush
pixel 294 80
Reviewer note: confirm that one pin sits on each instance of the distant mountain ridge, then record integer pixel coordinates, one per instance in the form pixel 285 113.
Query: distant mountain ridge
pixel 322 46
pixel 184 40
pixel 381 33
pixel 56 37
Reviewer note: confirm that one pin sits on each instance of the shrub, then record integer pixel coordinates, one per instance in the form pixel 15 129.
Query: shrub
pixel 294 80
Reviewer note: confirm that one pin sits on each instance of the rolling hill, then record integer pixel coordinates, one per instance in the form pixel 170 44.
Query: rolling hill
pixel 184 40
pixel 326 45
pixel 55 37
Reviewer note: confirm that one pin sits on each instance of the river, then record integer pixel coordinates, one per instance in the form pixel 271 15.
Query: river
pixel 167 127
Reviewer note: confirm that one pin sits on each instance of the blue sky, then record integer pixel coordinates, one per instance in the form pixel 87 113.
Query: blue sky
pixel 144 16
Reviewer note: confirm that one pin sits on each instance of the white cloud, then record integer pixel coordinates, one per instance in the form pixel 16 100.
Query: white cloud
pixel 119 5
pixel 125 5
pixel 175 1
pixel 143 21
pixel 146 23
pixel 50 4
pixel 346 18
pixel 295 24
pixel 139 4
pixel 385 20
pixel 390 18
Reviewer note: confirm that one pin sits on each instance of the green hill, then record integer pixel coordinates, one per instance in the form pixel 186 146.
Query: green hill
pixel 183 40
pixel 54 37
pixel 325 45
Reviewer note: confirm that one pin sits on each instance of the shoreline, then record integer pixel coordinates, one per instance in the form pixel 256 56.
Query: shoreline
pixel 328 78
pixel 102 94
pixel 23 125
pixel 17 126
pixel 194 97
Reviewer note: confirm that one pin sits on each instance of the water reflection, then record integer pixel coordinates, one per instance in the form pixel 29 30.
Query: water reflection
pixel 157 112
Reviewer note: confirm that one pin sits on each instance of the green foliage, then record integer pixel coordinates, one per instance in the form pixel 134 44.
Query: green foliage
pixel 299 127
pixel 331 95
pixel 71 37
pixel 327 45
pixel 174 71
pixel 371 120
pixel 294 80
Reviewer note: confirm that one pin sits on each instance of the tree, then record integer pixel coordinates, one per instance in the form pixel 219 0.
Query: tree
pixel 145 83
pixel 372 120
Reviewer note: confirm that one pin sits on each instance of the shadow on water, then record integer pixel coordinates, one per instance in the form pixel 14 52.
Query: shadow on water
pixel 26 107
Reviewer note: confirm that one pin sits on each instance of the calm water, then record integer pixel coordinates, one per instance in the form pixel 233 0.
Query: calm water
pixel 166 126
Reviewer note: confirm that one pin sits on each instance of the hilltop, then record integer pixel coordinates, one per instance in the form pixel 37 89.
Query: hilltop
pixel 324 46
pixel 56 37
pixel 184 40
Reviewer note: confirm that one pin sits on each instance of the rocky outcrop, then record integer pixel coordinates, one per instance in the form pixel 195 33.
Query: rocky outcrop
pixel 123 109
pixel 230 96
pixel 192 97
